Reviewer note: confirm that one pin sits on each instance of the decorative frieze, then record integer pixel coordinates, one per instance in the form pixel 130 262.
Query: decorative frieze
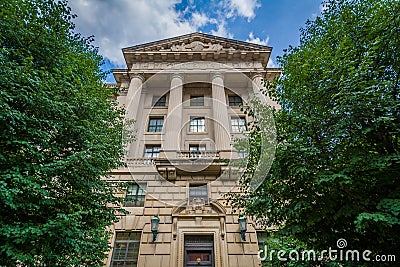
pixel 196 46
pixel 195 65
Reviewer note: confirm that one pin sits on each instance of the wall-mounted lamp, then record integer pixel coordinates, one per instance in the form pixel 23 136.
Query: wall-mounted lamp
pixel 154 226
pixel 242 226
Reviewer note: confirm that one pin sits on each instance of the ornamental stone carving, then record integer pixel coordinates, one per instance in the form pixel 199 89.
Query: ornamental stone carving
pixel 198 65
pixel 196 46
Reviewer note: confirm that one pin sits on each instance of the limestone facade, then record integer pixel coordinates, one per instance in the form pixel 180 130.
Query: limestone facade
pixel 185 95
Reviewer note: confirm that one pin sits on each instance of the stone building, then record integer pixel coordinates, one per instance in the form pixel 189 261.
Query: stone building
pixel 185 95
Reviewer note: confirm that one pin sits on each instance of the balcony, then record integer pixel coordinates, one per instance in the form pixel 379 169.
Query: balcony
pixel 138 162
pixel 171 163
pixel 197 154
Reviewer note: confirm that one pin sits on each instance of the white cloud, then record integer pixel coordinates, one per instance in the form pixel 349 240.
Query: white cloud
pixel 257 40
pixel 122 23
pixel 253 39
pixel 271 64
pixel 221 30
pixel 199 19
pixel 230 9
pixel 244 8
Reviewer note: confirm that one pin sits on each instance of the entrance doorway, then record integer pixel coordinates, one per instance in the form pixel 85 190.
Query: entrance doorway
pixel 199 250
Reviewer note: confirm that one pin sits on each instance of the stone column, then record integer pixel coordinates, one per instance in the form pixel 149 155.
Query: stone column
pixel 257 83
pixel 220 114
pixel 122 98
pixel 173 122
pixel 132 102
pixel 133 96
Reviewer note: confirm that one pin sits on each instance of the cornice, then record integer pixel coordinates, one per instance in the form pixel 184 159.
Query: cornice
pixel 196 47
pixel 192 37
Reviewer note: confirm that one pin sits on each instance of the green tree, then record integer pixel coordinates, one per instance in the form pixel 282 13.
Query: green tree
pixel 336 172
pixel 60 133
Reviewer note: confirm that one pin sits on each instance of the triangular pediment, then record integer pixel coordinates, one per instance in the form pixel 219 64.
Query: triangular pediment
pixel 195 47
pixel 197 42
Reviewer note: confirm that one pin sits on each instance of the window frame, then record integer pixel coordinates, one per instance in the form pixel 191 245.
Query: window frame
pixel 198 146
pixel 197 125
pixel 139 196
pixel 262 237
pixel 240 125
pixel 203 193
pixel 235 102
pixel 197 101
pixel 195 150
pixel 135 242
pixel 159 101
pixel 157 127
pixel 152 152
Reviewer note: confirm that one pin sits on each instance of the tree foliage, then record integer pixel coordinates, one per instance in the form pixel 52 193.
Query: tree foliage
pixel 336 172
pixel 60 133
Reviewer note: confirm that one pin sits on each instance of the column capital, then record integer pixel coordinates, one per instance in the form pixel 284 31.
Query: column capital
pixel 217 75
pixel 137 76
pixel 177 75
pixel 257 75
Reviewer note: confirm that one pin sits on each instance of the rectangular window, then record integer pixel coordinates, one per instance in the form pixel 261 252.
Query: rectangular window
pixel 159 101
pixel 155 125
pixel 196 151
pixel 197 125
pixel 238 124
pixel 235 101
pixel 196 100
pixel 135 195
pixel 126 249
pixel 262 239
pixel 152 151
pixel 198 193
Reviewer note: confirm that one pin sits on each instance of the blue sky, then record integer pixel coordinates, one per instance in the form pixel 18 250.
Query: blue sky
pixel 122 23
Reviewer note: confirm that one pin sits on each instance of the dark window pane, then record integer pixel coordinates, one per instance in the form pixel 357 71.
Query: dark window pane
pixel 196 151
pixel 197 125
pixel 135 196
pixel 197 100
pixel 155 124
pixel 159 101
pixel 262 238
pixel 126 249
pixel 198 191
pixel 135 236
pixel 122 236
pixel 235 100
pixel 238 124
pixel 151 151
pixel 193 239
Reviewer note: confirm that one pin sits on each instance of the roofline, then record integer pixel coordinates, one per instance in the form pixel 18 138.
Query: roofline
pixel 176 38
